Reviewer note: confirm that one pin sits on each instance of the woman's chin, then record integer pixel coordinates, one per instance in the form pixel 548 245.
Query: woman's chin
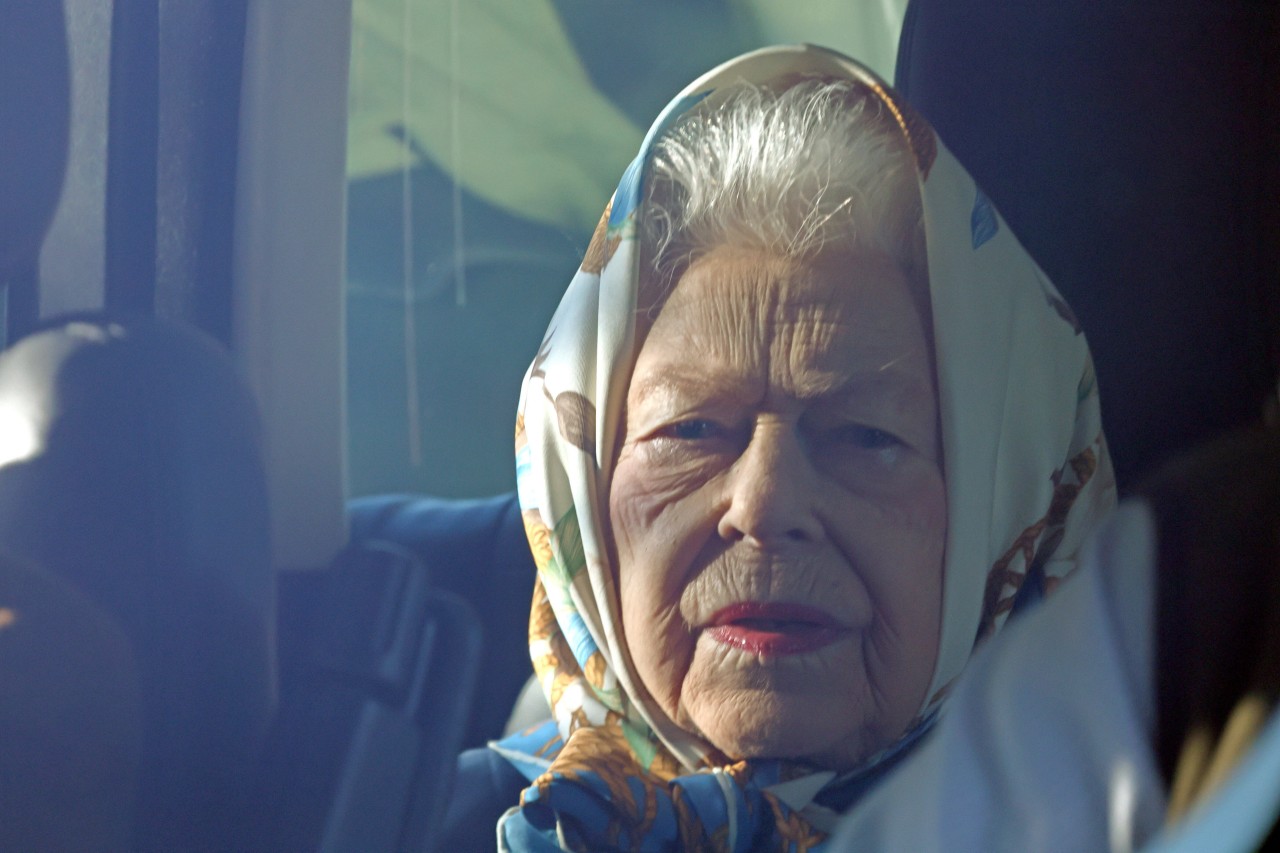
pixel 768 724
pixel 814 706
pixel 801 743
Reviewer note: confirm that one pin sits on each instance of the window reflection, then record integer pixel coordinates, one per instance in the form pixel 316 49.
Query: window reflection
pixel 484 139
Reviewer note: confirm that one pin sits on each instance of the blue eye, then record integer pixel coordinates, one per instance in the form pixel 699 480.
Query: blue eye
pixel 693 430
pixel 863 437
pixel 870 438
pixel 885 447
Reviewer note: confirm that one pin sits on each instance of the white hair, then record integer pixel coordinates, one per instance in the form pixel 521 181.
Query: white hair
pixel 818 166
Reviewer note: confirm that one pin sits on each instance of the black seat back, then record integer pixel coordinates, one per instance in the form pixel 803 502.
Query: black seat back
pixel 378 676
pixel 70 718
pixel 476 550
pixel 1131 147
pixel 134 472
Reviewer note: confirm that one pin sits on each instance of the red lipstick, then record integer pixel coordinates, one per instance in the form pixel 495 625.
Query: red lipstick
pixel 774 629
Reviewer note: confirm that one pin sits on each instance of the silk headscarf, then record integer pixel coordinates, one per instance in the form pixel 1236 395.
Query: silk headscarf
pixel 1027 475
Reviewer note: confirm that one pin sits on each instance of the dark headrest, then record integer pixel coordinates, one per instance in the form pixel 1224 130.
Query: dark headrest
pixel 130 465
pixel 69 718
pixel 1139 178
pixel 34 121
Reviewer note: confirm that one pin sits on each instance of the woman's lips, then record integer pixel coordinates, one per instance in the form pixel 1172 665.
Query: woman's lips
pixel 774 629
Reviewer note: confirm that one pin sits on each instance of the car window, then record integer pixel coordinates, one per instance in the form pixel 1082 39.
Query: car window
pixel 484 139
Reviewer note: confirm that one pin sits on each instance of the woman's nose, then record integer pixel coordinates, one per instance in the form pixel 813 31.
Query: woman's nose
pixel 772 491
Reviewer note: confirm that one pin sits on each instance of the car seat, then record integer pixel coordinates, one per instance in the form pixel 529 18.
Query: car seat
pixel 133 472
pixel 1131 148
pixel 70 718
pixel 477 550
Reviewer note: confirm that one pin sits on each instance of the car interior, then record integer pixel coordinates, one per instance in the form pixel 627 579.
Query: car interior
pixel 236 610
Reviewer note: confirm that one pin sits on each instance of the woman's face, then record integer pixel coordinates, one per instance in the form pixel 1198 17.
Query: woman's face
pixel 778 506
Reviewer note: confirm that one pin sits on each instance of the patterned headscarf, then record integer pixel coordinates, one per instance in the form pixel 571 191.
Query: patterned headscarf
pixel 1027 475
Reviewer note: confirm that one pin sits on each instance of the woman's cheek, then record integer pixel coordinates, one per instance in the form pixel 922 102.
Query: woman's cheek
pixel 896 488
pixel 660 521
pixel 634 502
pixel 660 641
pixel 895 542
pixel 671 475
pixel 912 505
pixel 640 506
pixel 922 520
pixel 651 531
pixel 669 654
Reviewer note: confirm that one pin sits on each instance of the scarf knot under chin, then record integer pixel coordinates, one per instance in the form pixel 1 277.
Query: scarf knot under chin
pixel 595 796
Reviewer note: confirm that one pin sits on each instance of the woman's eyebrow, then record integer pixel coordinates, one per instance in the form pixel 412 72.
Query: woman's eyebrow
pixel 887 384
pixel 704 383
pixel 874 379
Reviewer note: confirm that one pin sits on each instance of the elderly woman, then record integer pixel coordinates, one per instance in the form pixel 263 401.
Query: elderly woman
pixel 806 426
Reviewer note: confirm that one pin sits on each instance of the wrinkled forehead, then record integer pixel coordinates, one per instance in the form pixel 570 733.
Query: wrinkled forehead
pixel 839 284
pixel 865 293
pixel 847 312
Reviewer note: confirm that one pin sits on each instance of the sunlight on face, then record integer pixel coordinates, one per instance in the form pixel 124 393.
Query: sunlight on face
pixel 778 506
